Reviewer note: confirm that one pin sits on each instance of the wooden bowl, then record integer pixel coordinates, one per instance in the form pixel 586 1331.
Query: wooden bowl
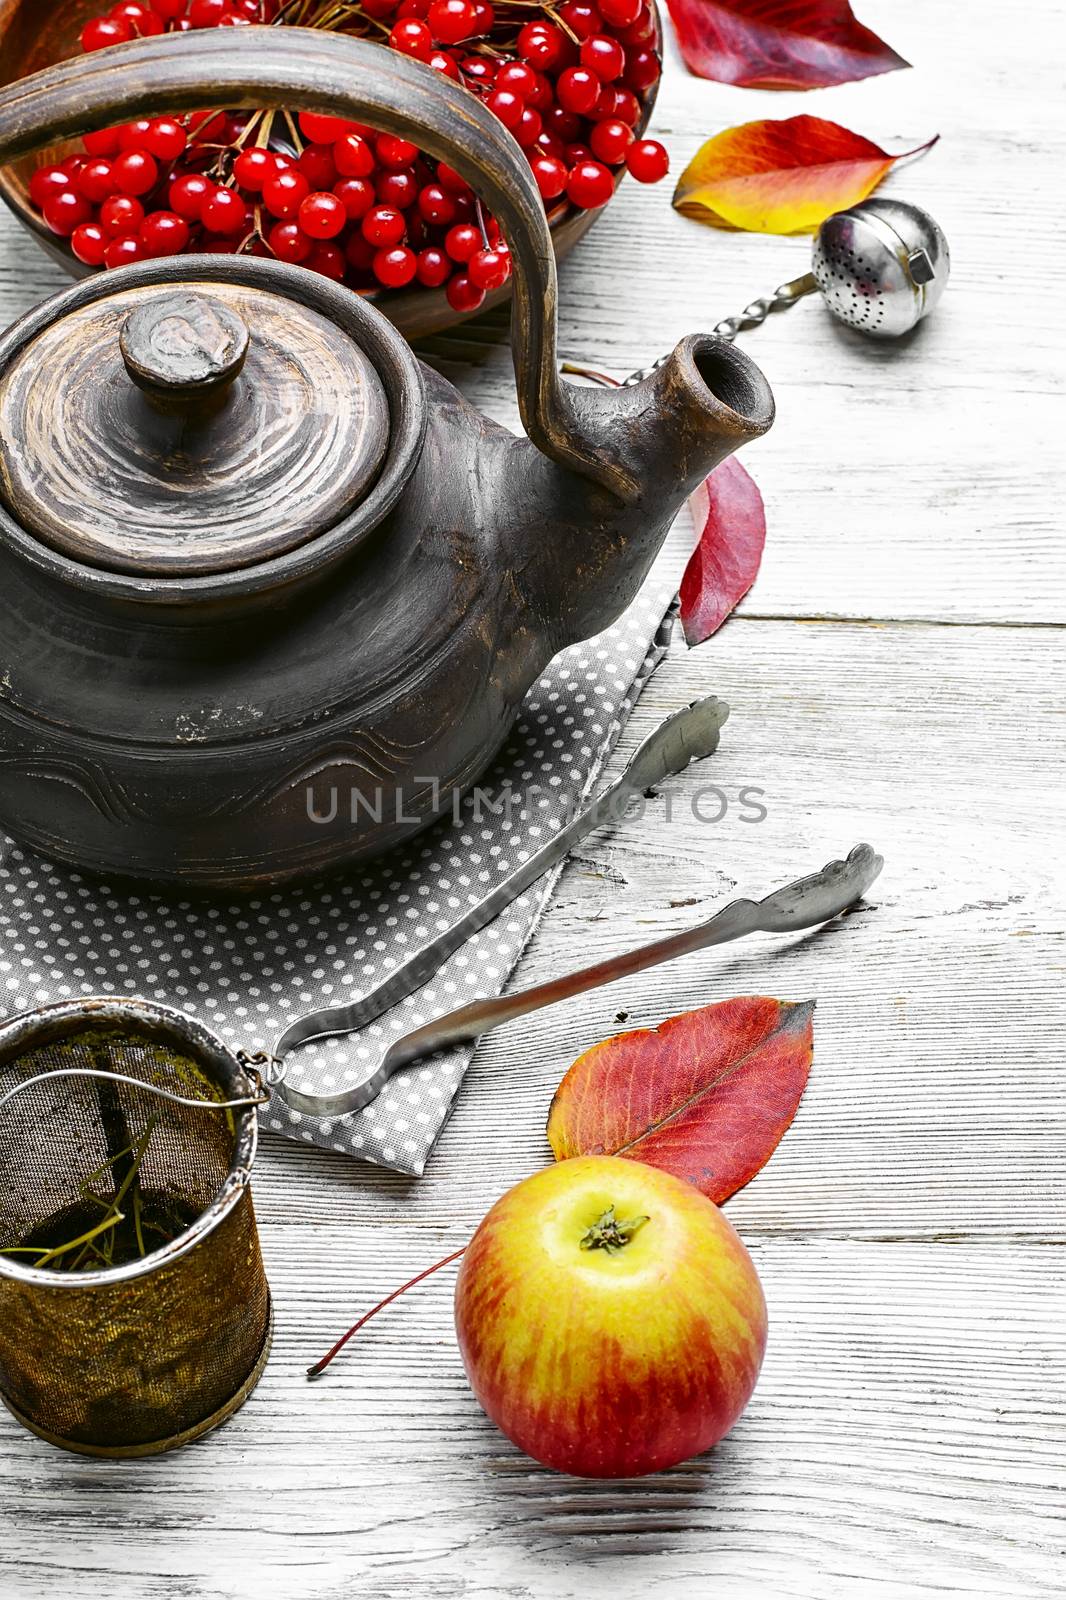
pixel 30 41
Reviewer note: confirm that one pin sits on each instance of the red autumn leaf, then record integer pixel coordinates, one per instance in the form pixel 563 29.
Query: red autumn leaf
pixel 779 44
pixel 782 176
pixel 707 1095
pixel 728 510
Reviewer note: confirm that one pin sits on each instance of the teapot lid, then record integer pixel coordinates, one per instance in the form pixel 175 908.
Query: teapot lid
pixel 186 431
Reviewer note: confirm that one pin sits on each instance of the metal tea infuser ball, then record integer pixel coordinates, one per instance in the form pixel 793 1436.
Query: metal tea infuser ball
pixel 880 267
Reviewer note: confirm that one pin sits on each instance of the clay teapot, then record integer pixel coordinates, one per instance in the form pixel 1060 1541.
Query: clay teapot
pixel 252 551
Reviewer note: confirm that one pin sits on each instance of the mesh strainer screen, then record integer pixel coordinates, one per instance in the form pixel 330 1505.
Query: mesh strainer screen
pixel 147 1335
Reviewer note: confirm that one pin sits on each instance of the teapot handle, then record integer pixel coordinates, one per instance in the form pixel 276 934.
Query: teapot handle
pixel 341 76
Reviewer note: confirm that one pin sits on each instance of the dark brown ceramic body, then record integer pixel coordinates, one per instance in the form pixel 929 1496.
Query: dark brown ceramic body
pixel 287 718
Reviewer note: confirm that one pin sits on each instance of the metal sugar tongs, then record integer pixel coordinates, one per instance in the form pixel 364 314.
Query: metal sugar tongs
pixel 687 736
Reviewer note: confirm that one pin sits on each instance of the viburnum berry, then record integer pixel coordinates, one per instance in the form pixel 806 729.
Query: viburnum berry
pixel 445 64
pixel 132 135
pixel 318 166
pixel 165 139
pixel 89 242
pixel 578 89
pixel 604 56
pixel 436 205
pixel 478 70
pixel 518 77
pixel 188 193
pixel 328 259
pixel 620 104
pixel 641 31
pixel 647 161
pixel 462 241
pixel 284 193
pixel 253 167
pixel 135 172
pixel 356 195
pixel 353 156
pixel 642 69
pixel 383 227
pixel 322 216
pixel 453 181
pixel 451 21
pixel 398 189
pixel 620 13
pixel 143 21
pixel 544 45
pixel 47 181
pixel 164 233
pixel 610 141
pixel 105 142
pixel 434 267
pixel 489 269
pixel 208 13
pixel 412 38
pixel 395 268
pixel 170 10
pixel 121 215
pixel 289 243
pixel 101 32
pixel 507 106
pixel 318 128
pixel 530 127
pixel 66 211
pixel 581 18
pixel 122 251
pixel 463 294
pixel 589 185
pixel 393 153
pixel 96 180
pixel 224 212
pixel 550 175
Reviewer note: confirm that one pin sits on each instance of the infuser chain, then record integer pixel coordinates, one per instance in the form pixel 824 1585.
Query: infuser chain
pixel 752 316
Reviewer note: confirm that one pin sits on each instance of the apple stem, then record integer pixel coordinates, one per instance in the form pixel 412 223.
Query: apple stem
pixel 320 1366
pixel 609 1234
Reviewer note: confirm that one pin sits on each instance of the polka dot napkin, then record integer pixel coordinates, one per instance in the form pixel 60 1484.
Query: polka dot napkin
pixel 248 969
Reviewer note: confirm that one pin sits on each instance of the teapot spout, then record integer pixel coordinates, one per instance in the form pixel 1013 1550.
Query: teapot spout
pixel 672 429
pixel 645 448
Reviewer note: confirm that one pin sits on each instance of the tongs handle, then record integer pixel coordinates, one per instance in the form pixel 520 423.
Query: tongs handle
pixel 803 904
pixel 689 735
pixel 798 905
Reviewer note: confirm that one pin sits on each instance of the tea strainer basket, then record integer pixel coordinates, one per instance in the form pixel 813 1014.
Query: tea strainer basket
pixel 134 1308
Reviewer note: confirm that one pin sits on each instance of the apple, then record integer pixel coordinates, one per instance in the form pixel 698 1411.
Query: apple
pixel 610 1320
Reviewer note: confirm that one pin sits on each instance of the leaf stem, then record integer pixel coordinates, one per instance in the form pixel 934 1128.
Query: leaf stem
pixel 320 1366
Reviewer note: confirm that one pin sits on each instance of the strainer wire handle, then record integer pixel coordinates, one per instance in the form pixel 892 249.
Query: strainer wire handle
pixel 260 1098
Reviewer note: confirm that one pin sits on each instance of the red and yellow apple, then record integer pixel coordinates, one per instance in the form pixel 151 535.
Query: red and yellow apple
pixel 610 1320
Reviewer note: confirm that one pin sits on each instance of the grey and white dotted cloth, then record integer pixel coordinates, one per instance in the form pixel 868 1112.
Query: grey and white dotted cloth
pixel 247 969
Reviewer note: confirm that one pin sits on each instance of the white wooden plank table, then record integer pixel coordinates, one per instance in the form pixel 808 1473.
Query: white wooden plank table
pixel 897 674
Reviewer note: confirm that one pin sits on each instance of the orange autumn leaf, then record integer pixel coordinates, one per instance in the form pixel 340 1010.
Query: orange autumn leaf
pixel 782 176
pixel 707 1095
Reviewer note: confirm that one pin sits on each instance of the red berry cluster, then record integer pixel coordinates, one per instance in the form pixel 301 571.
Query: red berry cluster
pixel 332 195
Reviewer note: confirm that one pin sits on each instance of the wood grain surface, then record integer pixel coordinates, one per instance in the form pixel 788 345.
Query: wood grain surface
pixel 896 674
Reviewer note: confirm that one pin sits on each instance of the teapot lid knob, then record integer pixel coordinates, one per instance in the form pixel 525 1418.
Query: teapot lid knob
pixel 184 350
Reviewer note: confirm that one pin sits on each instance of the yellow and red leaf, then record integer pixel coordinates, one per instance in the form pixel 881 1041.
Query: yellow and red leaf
pixel 782 176
pixel 779 44
pixel 707 1095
